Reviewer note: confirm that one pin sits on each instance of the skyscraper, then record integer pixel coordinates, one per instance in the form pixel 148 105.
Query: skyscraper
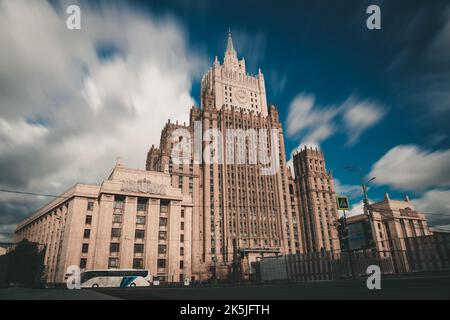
pixel 235 169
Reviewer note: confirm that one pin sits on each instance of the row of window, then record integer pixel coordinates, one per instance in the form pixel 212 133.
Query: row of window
pixel 138 263
pixel 114 247
pixel 119 204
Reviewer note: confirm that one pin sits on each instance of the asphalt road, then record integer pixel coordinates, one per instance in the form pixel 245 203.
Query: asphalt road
pixel 404 288
pixel 437 287
pixel 51 294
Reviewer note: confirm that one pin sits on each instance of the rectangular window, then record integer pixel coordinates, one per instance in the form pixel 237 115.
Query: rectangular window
pixel 139 248
pixel 162 235
pixel 84 248
pixel 138 264
pixel 88 220
pixel 114 247
pixel 142 204
pixel 182 213
pixel 113 263
pixel 119 203
pixel 181 251
pixel 182 225
pixel 164 208
pixel 87 233
pixel 163 222
pixel 162 249
pixel 90 206
pixel 181 264
pixel 140 220
pixel 83 263
pixel 161 263
pixel 181 238
pixel 139 234
pixel 115 232
pixel 117 218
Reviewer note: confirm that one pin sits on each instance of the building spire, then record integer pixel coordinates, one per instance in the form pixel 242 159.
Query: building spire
pixel 230 47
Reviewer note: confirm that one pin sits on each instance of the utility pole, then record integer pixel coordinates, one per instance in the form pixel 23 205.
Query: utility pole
pixel 364 185
pixel 350 258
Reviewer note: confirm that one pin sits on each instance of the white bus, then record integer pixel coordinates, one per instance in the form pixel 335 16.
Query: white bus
pixel 115 278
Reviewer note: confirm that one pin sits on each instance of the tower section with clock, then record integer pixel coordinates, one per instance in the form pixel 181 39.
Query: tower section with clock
pixel 229 86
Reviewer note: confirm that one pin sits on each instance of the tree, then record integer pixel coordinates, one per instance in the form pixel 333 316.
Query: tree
pixel 26 264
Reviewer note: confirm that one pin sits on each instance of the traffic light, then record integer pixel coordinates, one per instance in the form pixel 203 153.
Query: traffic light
pixel 342 228
pixel 342 233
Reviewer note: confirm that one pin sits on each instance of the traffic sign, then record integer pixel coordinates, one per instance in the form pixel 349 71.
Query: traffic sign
pixel 342 203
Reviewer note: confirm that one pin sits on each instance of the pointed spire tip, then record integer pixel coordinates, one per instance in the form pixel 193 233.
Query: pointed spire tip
pixel 230 46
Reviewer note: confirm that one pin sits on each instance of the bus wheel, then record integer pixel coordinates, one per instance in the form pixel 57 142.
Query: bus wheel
pixel 95 285
pixel 133 285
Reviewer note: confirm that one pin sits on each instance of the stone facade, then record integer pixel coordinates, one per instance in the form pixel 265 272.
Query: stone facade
pixel 240 212
pixel 316 201
pixel 134 220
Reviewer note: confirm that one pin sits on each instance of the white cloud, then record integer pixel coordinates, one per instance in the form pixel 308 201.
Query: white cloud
pixel 350 190
pixel 356 209
pixel 359 116
pixel 313 124
pixel 91 108
pixel 408 167
pixel 13 133
pixel 436 205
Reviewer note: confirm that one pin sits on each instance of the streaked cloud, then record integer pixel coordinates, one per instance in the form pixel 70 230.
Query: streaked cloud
pixel 359 116
pixel 353 191
pixel 436 205
pixel 310 121
pixel 313 124
pixel 409 167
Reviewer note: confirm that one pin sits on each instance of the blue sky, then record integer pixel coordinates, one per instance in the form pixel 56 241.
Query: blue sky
pixel 72 101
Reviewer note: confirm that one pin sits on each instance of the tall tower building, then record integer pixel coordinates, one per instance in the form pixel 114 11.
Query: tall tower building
pixel 236 172
pixel 316 201
pixel 230 86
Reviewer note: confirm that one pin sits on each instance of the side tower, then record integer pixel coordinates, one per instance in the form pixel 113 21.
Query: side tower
pixel 317 203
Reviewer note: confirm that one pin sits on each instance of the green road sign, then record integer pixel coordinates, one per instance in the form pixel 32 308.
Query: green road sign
pixel 342 203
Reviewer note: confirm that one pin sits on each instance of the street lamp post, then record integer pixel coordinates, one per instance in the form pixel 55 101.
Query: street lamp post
pixel 364 186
